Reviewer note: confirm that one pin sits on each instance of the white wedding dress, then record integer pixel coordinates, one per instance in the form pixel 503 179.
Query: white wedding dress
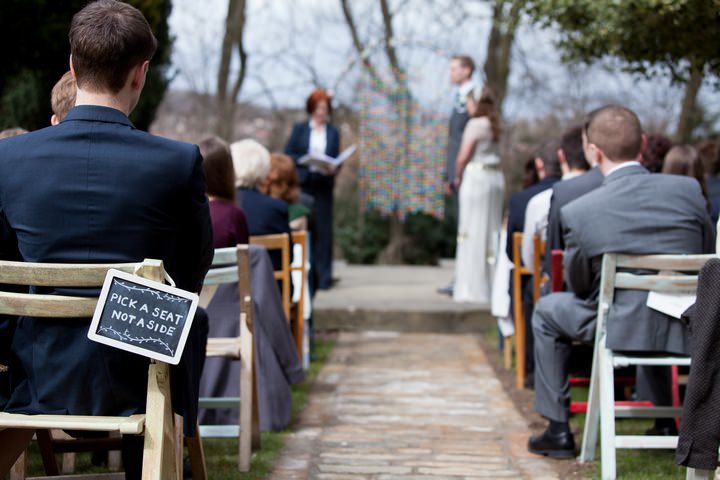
pixel 481 200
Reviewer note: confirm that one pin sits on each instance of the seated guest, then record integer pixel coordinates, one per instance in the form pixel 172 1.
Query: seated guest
pixel 230 226
pixel 265 215
pixel 62 98
pixel 566 192
pixel 572 164
pixel 283 183
pixel 685 160
pixel 657 147
pixel 710 157
pixel 99 199
pixel 547 165
pixel 633 213
pixel 12 132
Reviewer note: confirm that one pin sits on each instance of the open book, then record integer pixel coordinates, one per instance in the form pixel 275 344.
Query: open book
pixel 321 160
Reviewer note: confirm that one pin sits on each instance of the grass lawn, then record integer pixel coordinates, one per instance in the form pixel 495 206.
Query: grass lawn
pixel 221 454
pixel 631 464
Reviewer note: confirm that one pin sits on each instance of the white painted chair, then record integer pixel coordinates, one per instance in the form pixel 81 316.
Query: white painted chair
pixel 236 348
pixel 601 407
pixel 162 457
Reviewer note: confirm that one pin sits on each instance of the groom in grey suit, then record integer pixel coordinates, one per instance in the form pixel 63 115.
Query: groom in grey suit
pixel 632 212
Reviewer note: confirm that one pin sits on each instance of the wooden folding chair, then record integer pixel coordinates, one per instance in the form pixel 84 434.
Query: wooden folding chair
pixel 281 242
pixel 576 407
pixel 539 279
pixel 239 348
pixel 162 457
pixel 298 322
pixel 518 311
pixel 601 405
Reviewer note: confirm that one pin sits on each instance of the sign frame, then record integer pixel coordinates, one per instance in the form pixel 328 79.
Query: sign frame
pixel 113 274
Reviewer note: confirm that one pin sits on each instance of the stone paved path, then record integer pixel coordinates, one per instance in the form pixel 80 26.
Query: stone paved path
pixel 409 407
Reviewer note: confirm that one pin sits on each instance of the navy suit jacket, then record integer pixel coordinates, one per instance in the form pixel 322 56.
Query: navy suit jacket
pixel 518 205
pixel 299 144
pixel 94 189
pixel 266 216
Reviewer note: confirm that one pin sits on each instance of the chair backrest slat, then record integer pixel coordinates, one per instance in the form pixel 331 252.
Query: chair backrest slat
pixel 58 274
pixel 225 256
pixel 664 283
pixel 690 263
pixel 217 276
pixel 55 306
pixel 62 275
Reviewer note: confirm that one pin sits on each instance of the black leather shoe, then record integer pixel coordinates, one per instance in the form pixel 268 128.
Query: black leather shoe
pixel 551 445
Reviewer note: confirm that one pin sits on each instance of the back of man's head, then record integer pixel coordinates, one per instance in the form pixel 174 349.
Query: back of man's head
pixel 108 39
pixel 548 153
pixel 62 98
pixel 571 144
pixel 617 132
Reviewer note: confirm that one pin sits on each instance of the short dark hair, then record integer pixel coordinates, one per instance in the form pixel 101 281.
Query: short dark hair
pixel 551 162
pixel 465 61
pixel 218 166
pixel 617 132
pixel 658 146
pixel 571 144
pixel 107 39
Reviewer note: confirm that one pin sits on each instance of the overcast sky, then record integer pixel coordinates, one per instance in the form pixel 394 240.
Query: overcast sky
pixel 293 44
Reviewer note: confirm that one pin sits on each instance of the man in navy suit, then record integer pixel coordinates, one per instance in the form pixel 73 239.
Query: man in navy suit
pixel 547 164
pixel 94 189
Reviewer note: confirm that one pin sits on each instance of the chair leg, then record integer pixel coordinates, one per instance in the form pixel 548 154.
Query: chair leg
pixel 695 474
pixel 197 456
pixel 44 440
pixel 607 415
pixel 592 416
pixel 247 397
pixel 17 472
pixel 179 436
pixel 507 352
pixel 159 450
pixel 14 442
pixel 114 456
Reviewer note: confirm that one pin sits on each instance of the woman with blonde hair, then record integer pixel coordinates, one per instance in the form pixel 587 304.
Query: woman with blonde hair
pixel 481 188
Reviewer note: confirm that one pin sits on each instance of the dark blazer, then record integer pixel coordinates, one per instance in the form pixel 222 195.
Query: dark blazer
pixel 563 193
pixel 265 216
pixel 712 183
pixel 700 426
pixel 518 205
pixel 298 145
pixel 94 189
pixel 636 213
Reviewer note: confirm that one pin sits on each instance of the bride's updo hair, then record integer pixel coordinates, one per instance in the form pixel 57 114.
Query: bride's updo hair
pixel 484 100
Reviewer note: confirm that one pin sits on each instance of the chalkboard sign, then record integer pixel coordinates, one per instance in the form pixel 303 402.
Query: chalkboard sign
pixel 143 316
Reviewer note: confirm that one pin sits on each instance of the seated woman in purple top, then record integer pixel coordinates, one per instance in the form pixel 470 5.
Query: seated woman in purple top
pixel 230 227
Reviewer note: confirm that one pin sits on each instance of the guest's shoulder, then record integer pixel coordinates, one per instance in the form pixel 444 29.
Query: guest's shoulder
pixel 165 144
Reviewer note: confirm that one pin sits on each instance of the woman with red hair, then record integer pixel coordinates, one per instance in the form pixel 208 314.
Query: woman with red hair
pixel 317 135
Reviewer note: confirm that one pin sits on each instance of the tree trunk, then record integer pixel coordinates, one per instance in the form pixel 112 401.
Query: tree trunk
pixel 226 97
pixel 506 18
pixel 692 87
pixel 392 254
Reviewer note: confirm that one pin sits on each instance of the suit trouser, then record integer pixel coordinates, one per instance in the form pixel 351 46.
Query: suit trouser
pixel 558 320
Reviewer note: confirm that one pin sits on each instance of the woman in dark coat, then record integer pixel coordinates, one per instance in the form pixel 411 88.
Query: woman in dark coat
pixel 317 135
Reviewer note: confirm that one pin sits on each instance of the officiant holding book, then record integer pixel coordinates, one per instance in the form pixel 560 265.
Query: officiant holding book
pixel 317 136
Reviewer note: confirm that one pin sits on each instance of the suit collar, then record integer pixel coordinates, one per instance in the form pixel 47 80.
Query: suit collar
pixel 624 172
pixel 96 113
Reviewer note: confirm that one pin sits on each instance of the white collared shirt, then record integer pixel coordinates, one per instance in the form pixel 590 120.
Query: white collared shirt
pixel 318 138
pixel 631 163
pixel 460 99
pixel 536 220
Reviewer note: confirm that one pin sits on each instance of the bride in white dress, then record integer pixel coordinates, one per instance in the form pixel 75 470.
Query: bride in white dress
pixel 482 188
